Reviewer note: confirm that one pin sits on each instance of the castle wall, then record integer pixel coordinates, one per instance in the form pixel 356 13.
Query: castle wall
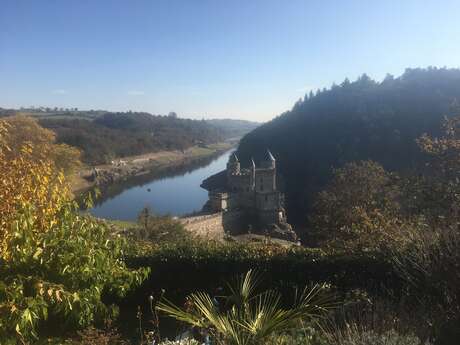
pixel 268 201
pixel 219 201
pixel 267 164
pixel 265 180
pixel 241 190
pixel 240 182
pixel 208 226
pixel 271 217
pixel 246 200
pixel 216 225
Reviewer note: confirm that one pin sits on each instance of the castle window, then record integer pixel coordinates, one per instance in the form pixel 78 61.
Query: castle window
pixel 234 188
pixel 266 198
pixel 261 187
pixel 247 189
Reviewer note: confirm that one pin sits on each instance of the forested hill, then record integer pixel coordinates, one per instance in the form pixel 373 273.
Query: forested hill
pixel 357 120
pixel 123 134
pixel 103 136
pixel 234 128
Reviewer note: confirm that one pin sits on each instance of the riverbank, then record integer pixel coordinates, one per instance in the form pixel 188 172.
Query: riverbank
pixel 126 168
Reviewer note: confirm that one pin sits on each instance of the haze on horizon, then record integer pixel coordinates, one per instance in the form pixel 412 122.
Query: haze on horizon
pixel 211 58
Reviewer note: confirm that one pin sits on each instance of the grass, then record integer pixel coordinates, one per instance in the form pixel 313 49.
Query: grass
pixel 122 223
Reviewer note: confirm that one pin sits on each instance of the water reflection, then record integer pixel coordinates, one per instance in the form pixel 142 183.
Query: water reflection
pixel 174 191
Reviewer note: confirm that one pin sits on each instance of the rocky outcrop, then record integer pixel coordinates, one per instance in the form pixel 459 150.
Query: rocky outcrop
pixel 105 177
pixel 282 231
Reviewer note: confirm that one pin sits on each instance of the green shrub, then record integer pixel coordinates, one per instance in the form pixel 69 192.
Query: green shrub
pixel 430 268
pixel 158 229
pixel 186 341
pixel 61 275
pixel 184 267
pixel 390 337
pixel 247 315
pixel 302 336
pixel 93 336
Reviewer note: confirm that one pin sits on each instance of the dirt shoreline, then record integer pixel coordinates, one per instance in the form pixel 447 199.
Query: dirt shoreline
pixel 124 169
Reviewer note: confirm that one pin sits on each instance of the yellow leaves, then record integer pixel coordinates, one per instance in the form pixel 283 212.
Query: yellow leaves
pixel 41 230
pixel 29 179
pixel 26 149
pixel 38 252
pixel 27 316
pixel 58 295
pixel 53 292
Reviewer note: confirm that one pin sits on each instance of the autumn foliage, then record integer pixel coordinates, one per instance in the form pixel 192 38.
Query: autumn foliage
pixel 366 207
pixel 28 177
pixel 55 264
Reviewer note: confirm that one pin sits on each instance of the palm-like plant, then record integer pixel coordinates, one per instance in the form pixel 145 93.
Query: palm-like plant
pixel 247 317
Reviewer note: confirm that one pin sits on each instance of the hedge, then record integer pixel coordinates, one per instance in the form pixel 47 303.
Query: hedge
pixel 182 268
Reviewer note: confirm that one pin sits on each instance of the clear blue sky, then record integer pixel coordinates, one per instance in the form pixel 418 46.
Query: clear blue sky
pixel 211 58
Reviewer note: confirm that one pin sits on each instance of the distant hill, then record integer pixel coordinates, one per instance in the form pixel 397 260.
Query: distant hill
pixel 353 121
pixel 103 136
pixel 54 113
pixel 234 128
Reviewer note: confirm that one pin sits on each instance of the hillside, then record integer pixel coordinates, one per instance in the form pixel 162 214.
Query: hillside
pixel 353 121
pixel 103 136
pixel 234 128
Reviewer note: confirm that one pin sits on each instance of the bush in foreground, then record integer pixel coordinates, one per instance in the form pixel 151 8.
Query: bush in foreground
pixel 56 265
pixel 247 316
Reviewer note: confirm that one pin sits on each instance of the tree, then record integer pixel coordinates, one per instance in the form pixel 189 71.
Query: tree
pixel 53 260
pixel 158 229
pixel 27 176
pixel 444 151
pixel 441 186
pixel 359 208
pixel 361 121
pixel 26 131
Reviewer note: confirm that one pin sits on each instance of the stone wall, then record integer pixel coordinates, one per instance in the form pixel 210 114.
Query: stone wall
pixel 265 180
pixel 214 226
pixel 270 201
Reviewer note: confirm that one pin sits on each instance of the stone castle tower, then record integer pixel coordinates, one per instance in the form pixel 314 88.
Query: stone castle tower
pixel 252 190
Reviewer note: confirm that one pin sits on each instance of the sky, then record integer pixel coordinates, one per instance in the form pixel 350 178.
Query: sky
pixel 248 59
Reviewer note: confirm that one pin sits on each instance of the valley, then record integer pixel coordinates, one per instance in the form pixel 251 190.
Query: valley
pixel 258 172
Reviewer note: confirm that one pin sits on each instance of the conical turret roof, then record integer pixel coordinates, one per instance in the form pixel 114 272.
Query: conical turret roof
pixel 233 158
pixel 268 156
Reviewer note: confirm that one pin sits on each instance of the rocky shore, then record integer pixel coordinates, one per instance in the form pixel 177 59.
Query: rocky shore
pixel 125 169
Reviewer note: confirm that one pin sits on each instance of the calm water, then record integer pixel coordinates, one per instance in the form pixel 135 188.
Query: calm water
pixel 177 194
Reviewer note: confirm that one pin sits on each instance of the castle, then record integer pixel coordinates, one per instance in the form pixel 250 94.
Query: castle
pixel 253 190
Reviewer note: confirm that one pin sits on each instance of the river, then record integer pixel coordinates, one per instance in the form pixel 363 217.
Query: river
pixel 176 193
